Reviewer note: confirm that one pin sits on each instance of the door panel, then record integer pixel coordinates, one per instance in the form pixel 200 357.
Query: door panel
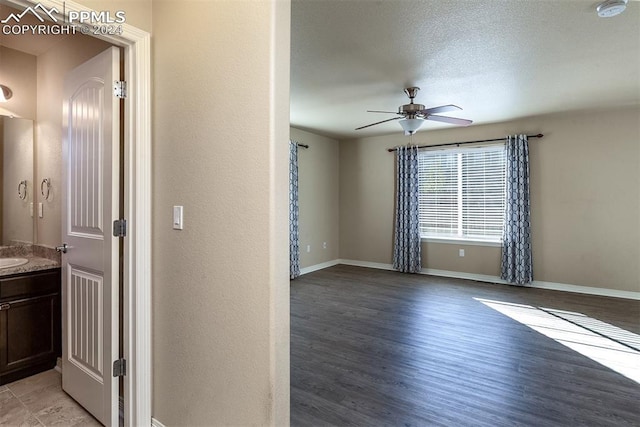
pixel 90 204
pixel 86 322
pixel 85 162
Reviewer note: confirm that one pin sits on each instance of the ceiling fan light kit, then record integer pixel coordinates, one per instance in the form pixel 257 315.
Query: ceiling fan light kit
pixel 610 8
pixel 410 126
pixel 412 115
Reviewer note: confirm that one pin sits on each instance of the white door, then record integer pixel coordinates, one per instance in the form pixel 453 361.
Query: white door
pixel 90 205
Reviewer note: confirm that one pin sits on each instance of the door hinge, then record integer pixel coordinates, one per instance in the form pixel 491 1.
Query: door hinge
pixel 119 368
pixel 120 228
pixel 120 89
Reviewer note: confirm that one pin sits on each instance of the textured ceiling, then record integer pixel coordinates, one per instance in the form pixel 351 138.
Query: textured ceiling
pixel 497 59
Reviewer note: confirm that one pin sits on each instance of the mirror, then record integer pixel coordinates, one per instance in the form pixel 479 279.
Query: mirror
pixel 16 181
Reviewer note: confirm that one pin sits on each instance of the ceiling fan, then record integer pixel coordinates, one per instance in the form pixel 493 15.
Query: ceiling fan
pixel 413 115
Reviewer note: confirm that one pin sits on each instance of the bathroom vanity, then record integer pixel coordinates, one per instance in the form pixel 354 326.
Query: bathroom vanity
pixel 30 323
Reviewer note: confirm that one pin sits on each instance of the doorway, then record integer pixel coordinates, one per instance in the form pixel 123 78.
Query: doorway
pixel 136 269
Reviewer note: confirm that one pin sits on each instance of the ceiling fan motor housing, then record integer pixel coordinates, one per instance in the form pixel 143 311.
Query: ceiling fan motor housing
pixel 410 109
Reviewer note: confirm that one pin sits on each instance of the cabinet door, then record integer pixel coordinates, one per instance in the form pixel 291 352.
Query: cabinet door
pixel 29 332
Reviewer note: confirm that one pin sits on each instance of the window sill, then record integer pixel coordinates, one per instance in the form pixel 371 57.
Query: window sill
pixel 453 241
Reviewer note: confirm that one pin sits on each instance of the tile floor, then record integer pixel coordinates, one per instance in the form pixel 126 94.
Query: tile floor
pixel 40 401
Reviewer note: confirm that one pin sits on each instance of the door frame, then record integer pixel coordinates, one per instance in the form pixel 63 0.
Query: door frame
pixel 136 44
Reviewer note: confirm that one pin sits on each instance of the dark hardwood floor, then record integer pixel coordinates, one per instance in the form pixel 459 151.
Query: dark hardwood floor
pixel 379 348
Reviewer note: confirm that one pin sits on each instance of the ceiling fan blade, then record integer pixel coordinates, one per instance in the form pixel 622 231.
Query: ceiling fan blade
pixel 441 109
pixel 450 120
pixel 377 111
pixel 377 123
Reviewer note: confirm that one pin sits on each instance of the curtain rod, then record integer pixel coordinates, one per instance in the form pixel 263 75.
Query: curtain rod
pixel 391 150
pixel 298 144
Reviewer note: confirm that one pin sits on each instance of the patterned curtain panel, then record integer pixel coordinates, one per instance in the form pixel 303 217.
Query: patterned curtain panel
pixel 517 262
pixel 294 237
pixel 406 250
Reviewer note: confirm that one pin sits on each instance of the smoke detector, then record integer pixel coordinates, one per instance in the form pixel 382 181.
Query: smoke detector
pixel 610 8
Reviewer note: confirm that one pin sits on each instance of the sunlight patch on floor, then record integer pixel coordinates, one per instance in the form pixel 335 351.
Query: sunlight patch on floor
pixel 606 344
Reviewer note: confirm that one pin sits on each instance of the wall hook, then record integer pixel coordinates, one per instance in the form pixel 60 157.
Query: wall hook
pixel 45 188
pixel 22 189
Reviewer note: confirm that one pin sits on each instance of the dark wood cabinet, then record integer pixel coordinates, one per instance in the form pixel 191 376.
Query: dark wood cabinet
pixel 30 324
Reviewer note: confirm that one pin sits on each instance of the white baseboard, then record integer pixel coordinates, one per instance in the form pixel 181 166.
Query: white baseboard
pixel 462 275
pixel 564 287
pixel 156 423
pixel 604 292
pixel 320 266
pixel 368 264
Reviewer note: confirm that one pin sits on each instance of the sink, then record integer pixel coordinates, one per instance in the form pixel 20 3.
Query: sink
pixel 12 262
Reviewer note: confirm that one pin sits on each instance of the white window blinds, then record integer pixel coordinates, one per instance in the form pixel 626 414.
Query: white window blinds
pixel 462 193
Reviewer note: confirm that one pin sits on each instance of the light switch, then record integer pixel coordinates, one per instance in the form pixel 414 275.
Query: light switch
pixel 31 209
pixel 40 210
pixel 461 252
pixel 177 218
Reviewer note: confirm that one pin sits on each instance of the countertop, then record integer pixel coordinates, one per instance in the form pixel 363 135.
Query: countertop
pixel 35 264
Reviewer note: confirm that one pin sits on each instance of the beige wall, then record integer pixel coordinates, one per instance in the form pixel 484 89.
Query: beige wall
pixel 221 325
pixel 585 194
pixel 137 12
pixel 366 200
pixel 52 67
pixel 220 286
pixel 17 147
pixel 18 72
pixel 318 181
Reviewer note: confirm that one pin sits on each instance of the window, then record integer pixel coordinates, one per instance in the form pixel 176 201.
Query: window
pixel 462 193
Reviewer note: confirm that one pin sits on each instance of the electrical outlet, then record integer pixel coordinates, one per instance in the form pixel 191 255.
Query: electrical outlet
pixel 461 252
pixel 308 248
pixel 324 245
